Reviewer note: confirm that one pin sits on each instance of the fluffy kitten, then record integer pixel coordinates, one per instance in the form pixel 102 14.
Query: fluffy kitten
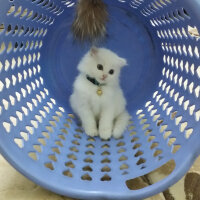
pixel 97 97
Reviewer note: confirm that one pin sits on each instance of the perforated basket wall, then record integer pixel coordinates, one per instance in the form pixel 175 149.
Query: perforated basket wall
pixel 41 138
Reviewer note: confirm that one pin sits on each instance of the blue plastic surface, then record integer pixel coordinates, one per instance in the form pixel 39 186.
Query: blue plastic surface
pixel 38 59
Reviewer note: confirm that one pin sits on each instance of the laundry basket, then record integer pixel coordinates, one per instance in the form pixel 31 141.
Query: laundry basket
pixel 40 136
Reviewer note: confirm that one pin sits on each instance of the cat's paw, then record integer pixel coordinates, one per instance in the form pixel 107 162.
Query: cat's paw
pixel 91 131
pixel 117 134
pixel 105 133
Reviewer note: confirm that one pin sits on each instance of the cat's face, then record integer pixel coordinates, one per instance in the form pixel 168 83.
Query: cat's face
pixel 102 64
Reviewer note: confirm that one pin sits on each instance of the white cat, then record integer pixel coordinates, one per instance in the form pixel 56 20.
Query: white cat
pixel 97 97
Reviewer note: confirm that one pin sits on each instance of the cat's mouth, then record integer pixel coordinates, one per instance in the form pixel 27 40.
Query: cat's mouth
pixel 103 78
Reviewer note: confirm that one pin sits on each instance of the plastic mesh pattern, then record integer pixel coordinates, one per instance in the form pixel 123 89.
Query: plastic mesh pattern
pixel 36 131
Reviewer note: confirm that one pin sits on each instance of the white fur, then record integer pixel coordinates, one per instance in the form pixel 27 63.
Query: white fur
pixel 103 115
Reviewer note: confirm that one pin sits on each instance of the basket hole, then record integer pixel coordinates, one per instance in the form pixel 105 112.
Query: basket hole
pixel 130 128
pixel 143 181
pixel 19 10
pixel 121 150
pixel 72 156
pixel 45 134
pixel 66 125
pixel 175 148
pixel 105 153
pixel 37 148
pixel 86 177
pixel 38 118
pixel 198 72
pixel 159 122
pixel 69 120
pixel 63 130
pixel 133 133
pixel 75 142
pixel 183 126
pixel 123 158
pixel 173 115
pixel 70 164
pixel 74 149
pixel 79 130
pixel 154 145
pixel 87 168
pixel 193 32
pixel 3 47
pixel 42 141
pixel 7 126
pixel 52 157
pixel 24 135
pixel 167 134
pixel 136 146
pixel 1 86
pixel 157 152
pixel 106 169
pixel 59 143
pixel 124 173
pixel 106 177
pixel 135 139
pixel 106 160
pixel 52 123
pixel 171 141
pixel 163 127
pixel 91 139
pixel 139 112
pixel 24 13
pixel 19 142
pixel 141 161
pixel 105 146
pixel 148 131
pixel 33 155
pixel 88 160
pixel 56 150
pixel 145 126
pixel 11 10
pixel 90 146
pixel 1 66
pixel 62 137
pixel 49 129
pixel 8 30
pixel 124 166
pixel 178 120
pixel 188 133
pixel 151 138
pixel 120 144
pixel 197 115
pixel 77 136
pixel 67 173
pixel 24 109
pixel 71 116
pixel 89 153
pixel 5 104
pixel 139 153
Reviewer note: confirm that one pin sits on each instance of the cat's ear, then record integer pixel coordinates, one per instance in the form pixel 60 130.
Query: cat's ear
pixel 122 62
pixel 93 51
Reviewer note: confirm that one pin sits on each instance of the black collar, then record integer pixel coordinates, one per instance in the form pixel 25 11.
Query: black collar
pixel 94 81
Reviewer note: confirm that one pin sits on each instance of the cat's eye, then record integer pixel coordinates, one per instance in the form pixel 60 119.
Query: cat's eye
pixel 100 67
pixel 111 71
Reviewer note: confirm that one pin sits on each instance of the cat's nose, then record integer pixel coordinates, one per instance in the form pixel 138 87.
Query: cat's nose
pixel 104 76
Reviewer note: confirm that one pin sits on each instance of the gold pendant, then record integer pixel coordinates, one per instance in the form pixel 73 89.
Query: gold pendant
pixel 99 91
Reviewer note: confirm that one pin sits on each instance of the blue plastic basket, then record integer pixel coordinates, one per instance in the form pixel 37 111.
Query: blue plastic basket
pixel 38 60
